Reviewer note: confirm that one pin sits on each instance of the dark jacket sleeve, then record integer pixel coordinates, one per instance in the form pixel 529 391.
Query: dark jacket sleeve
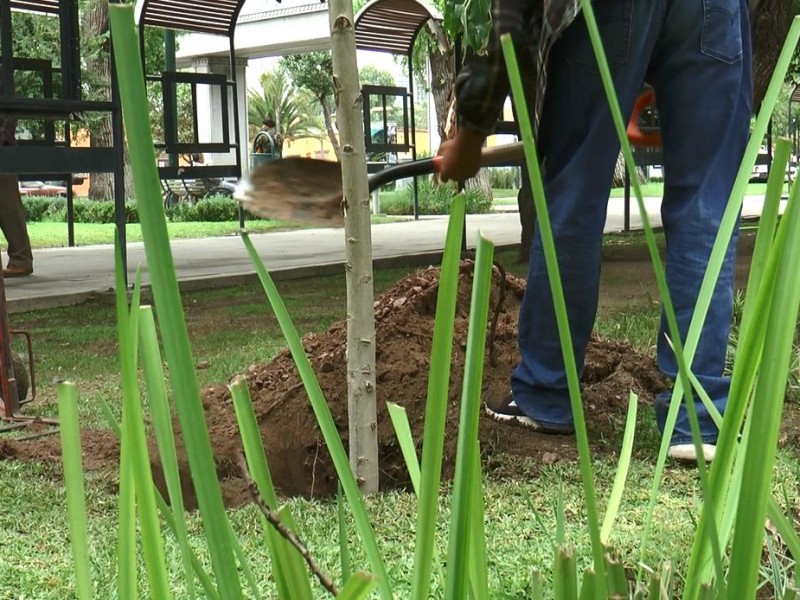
pixel 482 85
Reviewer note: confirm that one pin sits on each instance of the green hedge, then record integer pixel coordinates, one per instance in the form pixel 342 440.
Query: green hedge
pixel 433 199
pixel 54 210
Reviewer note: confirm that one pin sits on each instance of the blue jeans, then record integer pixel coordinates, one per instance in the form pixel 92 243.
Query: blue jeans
pixel 696 53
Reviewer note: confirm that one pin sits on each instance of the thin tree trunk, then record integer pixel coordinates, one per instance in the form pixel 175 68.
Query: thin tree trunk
pixel 770 24
pixel 326 114
pixel 361 401
pixel 443 76
pixel 95 25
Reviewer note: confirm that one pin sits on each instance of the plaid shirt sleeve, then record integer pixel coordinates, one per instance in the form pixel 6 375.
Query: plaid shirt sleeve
pixel 482 85
pixel 8 127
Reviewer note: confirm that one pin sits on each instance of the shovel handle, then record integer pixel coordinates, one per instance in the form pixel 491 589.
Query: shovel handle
pixel 496 155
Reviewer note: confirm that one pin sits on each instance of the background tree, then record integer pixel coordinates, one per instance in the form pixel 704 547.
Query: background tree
pixel 38 36
pixel 292 108
pixel 312 71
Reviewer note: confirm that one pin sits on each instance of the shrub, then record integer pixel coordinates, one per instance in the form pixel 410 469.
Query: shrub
pixel 504 178
pixel 434 199
pixel 36 207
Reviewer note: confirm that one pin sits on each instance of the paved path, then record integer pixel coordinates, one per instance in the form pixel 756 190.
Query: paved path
pixel 71 275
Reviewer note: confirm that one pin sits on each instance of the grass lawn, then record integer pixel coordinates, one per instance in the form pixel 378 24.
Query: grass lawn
pixel 54 235
pixel 232 328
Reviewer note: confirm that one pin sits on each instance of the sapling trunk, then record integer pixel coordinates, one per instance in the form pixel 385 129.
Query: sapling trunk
pixel 360 317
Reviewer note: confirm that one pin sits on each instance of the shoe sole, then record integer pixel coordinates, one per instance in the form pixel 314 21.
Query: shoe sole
pixel 523 421
pixel 685 453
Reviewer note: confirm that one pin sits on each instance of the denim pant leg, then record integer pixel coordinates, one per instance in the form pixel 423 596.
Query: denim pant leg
pixel 703 84
pixel 578 149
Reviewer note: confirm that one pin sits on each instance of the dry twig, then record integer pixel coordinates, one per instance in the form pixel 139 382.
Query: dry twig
pixel 274 520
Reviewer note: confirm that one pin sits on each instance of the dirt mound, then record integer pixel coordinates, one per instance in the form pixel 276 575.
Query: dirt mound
pixel 299 461
pixel 404 315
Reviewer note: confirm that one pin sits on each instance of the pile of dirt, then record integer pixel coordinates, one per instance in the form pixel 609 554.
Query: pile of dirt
pixel 299 461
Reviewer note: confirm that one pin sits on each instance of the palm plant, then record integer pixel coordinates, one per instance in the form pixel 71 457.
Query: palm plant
pixel 292 108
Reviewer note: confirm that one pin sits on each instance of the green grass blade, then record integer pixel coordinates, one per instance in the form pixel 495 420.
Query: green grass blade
pixel 186 390
pixel 768 220
pixel 208 586
pixel 766 415
pixel 326 424
pixel 166 513
pixel 133 425
pixel 357 587
pixel 478 560
pixel 344 547
pixel 153 373
pixel 288 567
pixel 561 517
pixel 588 585
pixel 617 581
pixel 615 498
pixel 244 565
pixel 537 585
pixel 73 481
pixel 787 531
pixel 559 304
pixel 467 455
pixel 682 386
pixel 127 576
pixel 402 430
pixel 565 575
pixel 744 370
pixel 436 405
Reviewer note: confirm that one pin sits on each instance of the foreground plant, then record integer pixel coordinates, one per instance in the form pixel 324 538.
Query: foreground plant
pixel 737 491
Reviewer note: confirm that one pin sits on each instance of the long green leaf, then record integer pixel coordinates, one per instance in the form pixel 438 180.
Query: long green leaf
pixel 186 390
pixel 73 481
pixel 326 423
pixel 785 528
pixel 467 449
pixel 478 560
pixel 748 357
pixel 402 430
pixel 208 587
pixel 559 304
pixel 127 576
pixel 344 546
pixel 357 587
pixel 623 466
pixel 766 415
pixel 565 577
pixel 244 564
pixel 436 405
pixel 133 426
pixel 287 565
pixel 153 373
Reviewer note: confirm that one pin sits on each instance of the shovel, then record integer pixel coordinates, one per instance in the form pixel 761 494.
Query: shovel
pixel 310 191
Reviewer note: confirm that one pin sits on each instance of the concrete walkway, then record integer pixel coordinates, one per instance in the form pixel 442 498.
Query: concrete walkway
pixel 65 276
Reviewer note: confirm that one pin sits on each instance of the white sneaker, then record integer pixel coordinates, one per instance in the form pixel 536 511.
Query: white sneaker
pixel 687 453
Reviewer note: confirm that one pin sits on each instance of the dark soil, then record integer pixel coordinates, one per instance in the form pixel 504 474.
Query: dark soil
pixel 298 458
pixel 299 461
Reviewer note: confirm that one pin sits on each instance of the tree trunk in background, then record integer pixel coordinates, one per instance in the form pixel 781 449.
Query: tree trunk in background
pixel 326 114
pixel 443 77
pixel 769 25
pixel 94 24
pixel 361 399
pixel 527 216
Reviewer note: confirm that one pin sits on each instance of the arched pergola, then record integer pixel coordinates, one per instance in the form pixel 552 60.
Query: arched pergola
pixel 392 26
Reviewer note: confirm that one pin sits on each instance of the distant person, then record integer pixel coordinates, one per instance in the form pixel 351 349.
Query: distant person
pixel 12 212
pixel 269 127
